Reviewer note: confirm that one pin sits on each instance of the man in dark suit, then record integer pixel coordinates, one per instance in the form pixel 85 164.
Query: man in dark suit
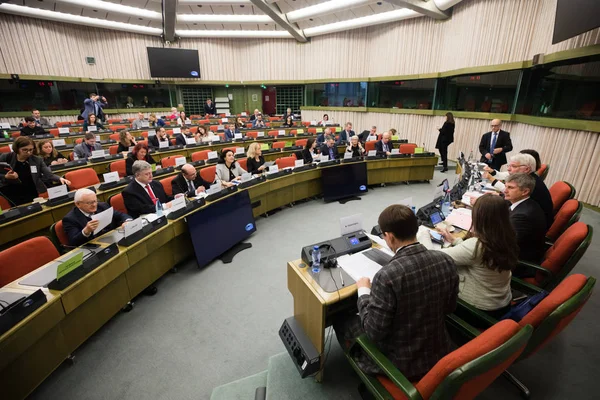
pixel 94 105
pixel 78 223
pixel 141 194
pixel 403 310
pixel 185 134
pixel 383 147
pixel 329 148
pixel 527 219
pixel 31 128
pixel 161 136
pixel 346 134
pixel 189 182
pixel 209 108
pixel 494 145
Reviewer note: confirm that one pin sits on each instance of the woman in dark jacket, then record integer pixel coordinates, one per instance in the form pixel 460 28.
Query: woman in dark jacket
pixel 445 138
pixel 309 150
pixel 139 152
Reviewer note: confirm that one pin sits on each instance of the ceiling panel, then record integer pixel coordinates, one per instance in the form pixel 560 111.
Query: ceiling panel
pixel 86 12
pixel 45 5
pixel 135 3
pixel 118 17
pixel 66 8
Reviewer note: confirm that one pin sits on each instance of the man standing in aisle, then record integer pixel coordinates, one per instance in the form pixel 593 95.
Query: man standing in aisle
pixel 94 105
pixel 494 145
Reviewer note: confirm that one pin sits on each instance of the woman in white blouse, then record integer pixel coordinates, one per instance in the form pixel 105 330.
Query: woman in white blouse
pixel 485 258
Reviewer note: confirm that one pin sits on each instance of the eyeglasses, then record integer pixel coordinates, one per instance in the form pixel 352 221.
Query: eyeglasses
pixel 89 203
pixel 27 150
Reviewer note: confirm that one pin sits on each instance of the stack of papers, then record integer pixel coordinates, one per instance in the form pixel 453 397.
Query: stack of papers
pixel 461 218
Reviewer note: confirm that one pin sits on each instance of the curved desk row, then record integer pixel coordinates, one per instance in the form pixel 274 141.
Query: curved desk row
pixel 32 349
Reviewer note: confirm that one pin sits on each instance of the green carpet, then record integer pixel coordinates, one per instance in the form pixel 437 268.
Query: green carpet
pixel 242 389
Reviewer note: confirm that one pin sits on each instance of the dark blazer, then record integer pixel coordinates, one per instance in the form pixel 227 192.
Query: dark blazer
pixel 230 133
pixel 153 141
pixel 36 130
pixel 306 156
pixel 48 160
pixel 180 139
pixel 130 160
pixel 98 125
pixel 405 313
pixel 325 150
pixel 541 195
pixel 138 202
pixel 82 150
pixel 254 165
pixel 446 136
pixel 75 221
pixel 43 178
pixel 356 151
pixel 529 222
pixel 122 148
pixel 179 185
pixel 212 110
pixel 89 106
pixel 503 141
pixel 345 136
pixel 379 148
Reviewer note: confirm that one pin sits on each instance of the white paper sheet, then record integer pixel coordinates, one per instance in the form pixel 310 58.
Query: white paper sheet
pixel 104 218
pixel 358 266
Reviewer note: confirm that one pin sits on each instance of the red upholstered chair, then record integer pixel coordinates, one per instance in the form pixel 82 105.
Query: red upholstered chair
pixel 166 184
pixel 82 178
pixel 568 214
pixel 370 146
pixel 274 118
pixel 53 132
pixel 214 128
pixel 301 142
pixel 312 131
pixel 170 161
pixel 200 155
pixel 114 120
pixel 79 140
pixel 278 145
pixel 285 162
pixel 59 236
pixel 543 171
pixel 114 136
pixel 15 134
pixel 561 257
pixel 560 192
pixel 116 202
pixel 306 123
pixel 173 141
pixel 115 128
pixel 4 204
pixel 462 374
pixel 407 148
pixel 112 150
pixel 249 125
pixel 273 133
pixel 209 173
pixel 252 134
pixel 60 124
pixel 120 167
pixel 22 258
pixel 4 149
pixel 243 163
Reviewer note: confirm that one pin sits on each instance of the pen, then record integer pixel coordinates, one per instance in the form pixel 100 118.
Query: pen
pixel 342 278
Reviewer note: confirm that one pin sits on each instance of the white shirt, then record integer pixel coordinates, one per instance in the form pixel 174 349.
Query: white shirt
pixel 143 185
pixel 89 216
pixel 514 205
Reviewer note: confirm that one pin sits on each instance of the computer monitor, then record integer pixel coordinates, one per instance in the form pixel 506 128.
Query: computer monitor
pixel 220 226
pixel 344 181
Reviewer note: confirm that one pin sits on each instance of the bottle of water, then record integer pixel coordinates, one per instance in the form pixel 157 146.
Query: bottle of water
pixel 316 260
pixel 6 135
pixel 75 156
pixel 414 210
pixel 159 208
pixel 470 156
pixel 446 205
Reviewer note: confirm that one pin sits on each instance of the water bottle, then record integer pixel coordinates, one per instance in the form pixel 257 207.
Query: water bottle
pixel 75 156
pixel 316 260
pixel 6 135
pixel 446 205
pixel 470 156
pixel 414 210
pixel 159 208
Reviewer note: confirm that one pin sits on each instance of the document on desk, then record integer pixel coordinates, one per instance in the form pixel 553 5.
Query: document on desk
pixel 382 243
pixel 104 219
pixel 358 266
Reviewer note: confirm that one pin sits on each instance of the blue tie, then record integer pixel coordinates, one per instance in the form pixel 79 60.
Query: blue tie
pixel 331 155
pixel 493 143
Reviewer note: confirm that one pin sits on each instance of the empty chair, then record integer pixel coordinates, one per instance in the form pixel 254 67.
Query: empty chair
pixel 120 167
pixel 5 205
pixel 252 134
pixel 4 149
pixel 369 146
pixel 561 192
pixel 567 215
pixel 79 140
pixel 112 150
pixel 114 136
pixel 278 145
pixel 407 148
pixel 200 155
pixel 114 120
pixel 301 142
pixel 54 132
pixel 273 133
pixel 166 184
pixel 170 161
pixel 60 124
pixel 312 131
pixel 214 128
pixel 115 128
pixel 59 236
pixel 285 162
pixel 82 178
pixel 243 162
pixel 116 202
pixel 22 258
pixel 543 171
pixel 209 173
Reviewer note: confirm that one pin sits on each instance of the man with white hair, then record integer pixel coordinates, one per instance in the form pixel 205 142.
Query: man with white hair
pixel 139 122
pixel 255 115
pixel 525 163
pixel 78 223
pixel 142 193
pixel 494 145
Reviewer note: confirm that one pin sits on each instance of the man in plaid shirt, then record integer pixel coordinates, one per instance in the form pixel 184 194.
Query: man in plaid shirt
pixel 403 310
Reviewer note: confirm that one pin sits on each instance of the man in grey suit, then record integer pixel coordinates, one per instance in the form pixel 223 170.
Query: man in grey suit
pixel 39 120
pixel 403 310
pixel 85 148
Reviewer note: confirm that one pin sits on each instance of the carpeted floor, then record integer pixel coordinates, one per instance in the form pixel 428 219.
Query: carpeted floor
pixel 209 327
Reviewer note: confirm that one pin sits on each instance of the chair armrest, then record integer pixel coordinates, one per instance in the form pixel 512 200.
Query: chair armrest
pixel 538 268
pixel 521 285
pixel 464 327
pixel 480 315
pixel 387 367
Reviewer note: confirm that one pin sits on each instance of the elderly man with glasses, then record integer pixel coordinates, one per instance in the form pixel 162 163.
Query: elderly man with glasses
pixel 494 145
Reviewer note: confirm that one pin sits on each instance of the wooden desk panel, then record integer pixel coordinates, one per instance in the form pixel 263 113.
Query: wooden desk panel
pixel 25 226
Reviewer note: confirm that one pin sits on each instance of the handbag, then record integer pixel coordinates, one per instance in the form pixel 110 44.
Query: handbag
pixel 517 312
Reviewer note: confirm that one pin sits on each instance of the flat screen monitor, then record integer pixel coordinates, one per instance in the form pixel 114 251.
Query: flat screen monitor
pixel 173 63
pixel 220 226
pixel 344 181
pixel 574 17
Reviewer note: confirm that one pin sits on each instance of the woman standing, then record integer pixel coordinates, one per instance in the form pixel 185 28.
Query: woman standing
pixel 255 161
pixel 51 156
pixel 445 138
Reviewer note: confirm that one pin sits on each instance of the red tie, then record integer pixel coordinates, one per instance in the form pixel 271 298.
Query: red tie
pixel 152 197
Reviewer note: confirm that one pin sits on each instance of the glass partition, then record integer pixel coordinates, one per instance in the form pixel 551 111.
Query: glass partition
pixel 343 94
pixel 417 94
pixel 135 95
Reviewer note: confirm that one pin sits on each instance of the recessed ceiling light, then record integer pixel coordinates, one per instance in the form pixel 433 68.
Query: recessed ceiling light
pixel 140 19
pixel 199 5
pixel 92 10
pixel 242 6
pixel 379 3
pixel 195 23
pixel 310 19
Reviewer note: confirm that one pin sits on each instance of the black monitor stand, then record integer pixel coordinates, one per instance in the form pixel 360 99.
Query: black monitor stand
pixel 228 256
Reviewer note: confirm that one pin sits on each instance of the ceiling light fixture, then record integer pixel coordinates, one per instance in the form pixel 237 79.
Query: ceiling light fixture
pixel 233 34
pixel 114 8
pixel 328 7
pixel 223 19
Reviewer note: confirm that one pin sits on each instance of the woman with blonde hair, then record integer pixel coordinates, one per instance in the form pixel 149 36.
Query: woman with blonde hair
pixel 255 161
pixel 125 141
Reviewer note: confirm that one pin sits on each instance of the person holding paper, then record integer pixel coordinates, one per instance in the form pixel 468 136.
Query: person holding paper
pixel 28 175
pixel 258 122
pixel 189 182
pixel 185 134
pixel 209 108
pixel 125 141
pixel 325 120
pixel 228 169
pixel 138 123
pixel 51 156
pixel 80 225
pixel 142 193
pixel 31 129
pixel 383 147
pixel 230 131
pixel 403 310
pixel 310 151
pixel 255 161
pixel 445 139
pixel 92 121
pixel 84 149
pixel 355 147
pixel 254 116
pixel 485 258
pixel 139 153
pixel 329 148
pixel 161 137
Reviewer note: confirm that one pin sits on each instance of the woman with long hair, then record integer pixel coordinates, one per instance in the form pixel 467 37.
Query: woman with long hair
pixel 445 138
pixel 485 258
pixel 140 152
pixel 51 156
pixel 92 121
pixel 255 161
pixel 125 141
pixel 310 151
pixel 228 169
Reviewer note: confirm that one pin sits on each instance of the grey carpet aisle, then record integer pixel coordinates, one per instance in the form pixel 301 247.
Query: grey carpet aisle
pixel 209 327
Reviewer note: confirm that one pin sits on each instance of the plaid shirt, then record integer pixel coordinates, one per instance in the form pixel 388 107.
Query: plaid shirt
pixel 404 314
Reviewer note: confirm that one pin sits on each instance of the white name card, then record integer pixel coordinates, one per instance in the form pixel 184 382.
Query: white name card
pixel 350 224
pixel 371 138
pixel 59 142
pixel 220 127
pixel 260 134
pixel 179 161
pixel 244 114
pixel 372 153
pixel 281 132
pixel 162 144
pixel 239 150
pixel 97 153
pixel 273 169
pixel 151 132
pixel 324 157
pixel 133 226
pixel 64 130
pixel 111 177
pixel 92 128
pixel 176 130
pixel 214 188
pixel 237 136
pixel 224 120
pixel 212 155
pixel 57 191
pixel 145 124
pixel 130 149
pixel 177 204
pixel 6 125
pixel 347 155
pixel 313 122
pixel 299 163
pixel 395 151
pixel 98 138
pixel 190 140
pixel 215 138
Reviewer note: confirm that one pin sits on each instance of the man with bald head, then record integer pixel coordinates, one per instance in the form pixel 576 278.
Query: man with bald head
pixel 494 145
pixel 78 223
pixel 189 182
pixel 384 146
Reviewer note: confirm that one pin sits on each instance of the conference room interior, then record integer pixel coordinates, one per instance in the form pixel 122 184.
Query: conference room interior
pixel 213 296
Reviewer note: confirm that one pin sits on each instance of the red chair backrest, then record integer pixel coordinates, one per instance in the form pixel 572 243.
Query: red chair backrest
pixel 15 134
pixel 562 218
pixel 4 149
pixel 166 184
pixel 252 134
pixel 115 128
pixel 22 258
pixel 113 149
pixel 54 132
pixel 278 145
pixel 274 118
pixel 200 155
pixel 114 136
pixel 209 173
pixel 4 204
pixel 407 148
pixel 273 133
pixel 82 178
pixel 61 234
pixel 312 131
pixel 370 145
pixel 560 193
pixel 120 167
pixel 116 202
pixel 243 163
pixel 540 172
pixel 145 134
pixel 285 162
pixel 79 140
pixel 301 142
pixel 173 141
pixel 170 161
pixel 249 125
pixel 214 128
pixel 114 120
pixel 60 124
